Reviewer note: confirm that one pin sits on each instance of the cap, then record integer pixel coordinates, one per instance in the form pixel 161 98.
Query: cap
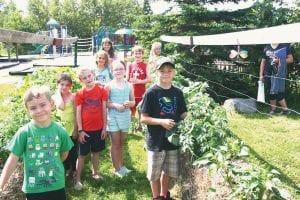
pixel 164 60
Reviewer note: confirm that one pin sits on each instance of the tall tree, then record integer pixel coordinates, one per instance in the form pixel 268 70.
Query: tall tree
pixel 147 8
pixel 11 18
pixel 38 13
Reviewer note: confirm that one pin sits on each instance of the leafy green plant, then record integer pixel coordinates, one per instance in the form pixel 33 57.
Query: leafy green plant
pixel 207 138
pixel 11 123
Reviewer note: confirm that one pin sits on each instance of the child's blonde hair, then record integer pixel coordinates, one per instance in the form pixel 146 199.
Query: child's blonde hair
pixel 137 48
pixel 102 53
pixel 116 62
pixel 36 92
pixel 153 47
pixel 81 70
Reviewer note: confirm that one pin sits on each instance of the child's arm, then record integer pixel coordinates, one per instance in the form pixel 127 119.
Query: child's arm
pixel 289 59
pixel 104 117
pixel 261 69
pixel 127 72
pixel 81 133
pixel 183 115
pixel 166 123
pixel 131 101
pixel 8 169
pixel 64 155
pixel 59 102
pixel 75 131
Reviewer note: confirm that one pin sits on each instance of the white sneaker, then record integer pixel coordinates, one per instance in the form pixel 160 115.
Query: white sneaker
pixel 78 186
pixel 127 171
pixel 120 173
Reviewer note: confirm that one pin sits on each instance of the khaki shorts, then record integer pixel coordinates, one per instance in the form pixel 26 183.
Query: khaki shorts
pixel 163 161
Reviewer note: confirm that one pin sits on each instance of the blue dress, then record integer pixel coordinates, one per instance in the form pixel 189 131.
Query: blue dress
pixel 117 120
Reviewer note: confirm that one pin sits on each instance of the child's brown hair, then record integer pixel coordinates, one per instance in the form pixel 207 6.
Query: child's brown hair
pixel 36 92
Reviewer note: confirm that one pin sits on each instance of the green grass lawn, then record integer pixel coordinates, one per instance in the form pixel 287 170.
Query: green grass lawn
pixel 131 187
pixel 275 140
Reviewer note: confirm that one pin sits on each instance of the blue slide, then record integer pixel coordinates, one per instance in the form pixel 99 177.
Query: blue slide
pixel 40 48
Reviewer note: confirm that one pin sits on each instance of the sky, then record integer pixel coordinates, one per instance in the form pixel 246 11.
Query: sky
pixel 157 6
pixel 160 6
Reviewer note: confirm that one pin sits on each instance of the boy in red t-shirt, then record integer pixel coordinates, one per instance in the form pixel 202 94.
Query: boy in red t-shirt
pixel 138 73
pixel 91 103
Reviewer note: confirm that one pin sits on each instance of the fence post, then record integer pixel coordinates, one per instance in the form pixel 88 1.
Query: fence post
pixel 75 55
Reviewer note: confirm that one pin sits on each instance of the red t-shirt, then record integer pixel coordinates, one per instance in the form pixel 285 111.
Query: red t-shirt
pixel 138 70
pixel 91 107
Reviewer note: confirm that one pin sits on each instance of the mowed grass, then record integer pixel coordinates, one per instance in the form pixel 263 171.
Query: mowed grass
pixel 134 186
pixel 275 140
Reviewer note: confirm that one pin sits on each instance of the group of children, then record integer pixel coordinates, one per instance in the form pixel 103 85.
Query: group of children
pixel 105 105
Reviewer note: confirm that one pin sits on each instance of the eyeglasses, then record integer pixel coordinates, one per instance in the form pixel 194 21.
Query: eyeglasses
pixel 118 69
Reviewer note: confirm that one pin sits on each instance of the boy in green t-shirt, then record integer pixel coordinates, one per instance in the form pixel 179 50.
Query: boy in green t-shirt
pixel 43 145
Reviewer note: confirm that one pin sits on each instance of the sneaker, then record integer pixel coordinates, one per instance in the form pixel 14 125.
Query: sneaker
pixel 285 112
pixel 78 186
pixel 121 173
pixel 272 112
pixel 127 171
pixel 97 177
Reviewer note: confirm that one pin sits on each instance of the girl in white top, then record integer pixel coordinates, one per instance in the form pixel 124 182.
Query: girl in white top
pixel 120 98
pixel 153 57
pixel 102 71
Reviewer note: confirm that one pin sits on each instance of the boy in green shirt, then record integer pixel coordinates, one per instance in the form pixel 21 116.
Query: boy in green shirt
pixel 43 145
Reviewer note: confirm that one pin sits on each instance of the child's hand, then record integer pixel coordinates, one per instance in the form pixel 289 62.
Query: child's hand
pixel 104 134
pixel 82 136
pixel 126 104
pixel 167 123
pixel 74 136
pixel 276 60
pixel 120 107
pixel 134 80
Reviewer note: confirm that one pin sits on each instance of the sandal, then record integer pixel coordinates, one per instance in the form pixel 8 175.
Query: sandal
pixel 97 177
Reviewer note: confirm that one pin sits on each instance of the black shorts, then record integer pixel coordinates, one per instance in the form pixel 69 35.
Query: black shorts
pixel 92 144
pixel 56 194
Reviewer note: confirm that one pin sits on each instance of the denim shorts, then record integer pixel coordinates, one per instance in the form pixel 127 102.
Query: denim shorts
pixel 166 161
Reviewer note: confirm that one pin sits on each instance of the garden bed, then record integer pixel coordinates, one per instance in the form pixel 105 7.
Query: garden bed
pixel 13 187
pixel 196 182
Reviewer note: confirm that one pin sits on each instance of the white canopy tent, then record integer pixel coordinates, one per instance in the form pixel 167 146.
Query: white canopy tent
pixel 288 33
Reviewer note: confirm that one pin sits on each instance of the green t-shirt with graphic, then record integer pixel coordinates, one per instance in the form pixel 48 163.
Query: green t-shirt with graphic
pixel 40 149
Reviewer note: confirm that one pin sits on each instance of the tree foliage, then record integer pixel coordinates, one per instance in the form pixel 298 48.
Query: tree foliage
pixel 195 19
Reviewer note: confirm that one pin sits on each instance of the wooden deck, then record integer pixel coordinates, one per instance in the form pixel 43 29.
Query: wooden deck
pixel 14 68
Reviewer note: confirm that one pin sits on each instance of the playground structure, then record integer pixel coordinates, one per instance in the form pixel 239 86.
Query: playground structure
pixel 56 42
pixel 54 29
pixel 123 40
